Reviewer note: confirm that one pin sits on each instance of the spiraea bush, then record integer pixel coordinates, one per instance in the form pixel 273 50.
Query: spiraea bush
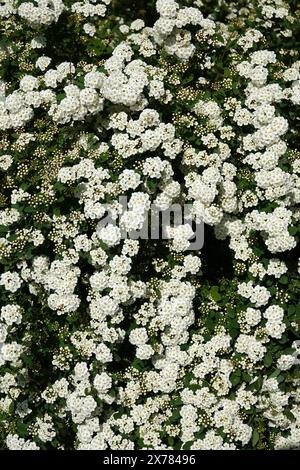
pixel 113 343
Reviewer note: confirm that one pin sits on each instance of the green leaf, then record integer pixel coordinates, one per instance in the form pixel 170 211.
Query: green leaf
pixel 274 374
pixel 58 186
pixel 175 416
pixel 188 79
pixel 246 377
pixel 289 415
pixel 235 377
pixel 256 386
pixel 293 230
pixel 152 184
pixel 56 211
pixel 30 209
pixel 215 294
pixel 255 438
pixel 284 280
pixel 291 309
pixel 233 333
pixel 22 429
pixel 187 445
pixel 176 401
pixel 138 364
pixel 268 360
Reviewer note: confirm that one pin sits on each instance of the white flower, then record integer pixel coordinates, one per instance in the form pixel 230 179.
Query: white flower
pixel 102 383
pixel 43 62
pixel 11 281
pixel 110 234
pixel 285 362
pixel 11 313
pixel 29 83
pixel 89 29
pixel 5 162
pixel 138 336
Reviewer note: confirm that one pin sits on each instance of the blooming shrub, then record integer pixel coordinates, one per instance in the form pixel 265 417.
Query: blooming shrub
pixel 114 343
